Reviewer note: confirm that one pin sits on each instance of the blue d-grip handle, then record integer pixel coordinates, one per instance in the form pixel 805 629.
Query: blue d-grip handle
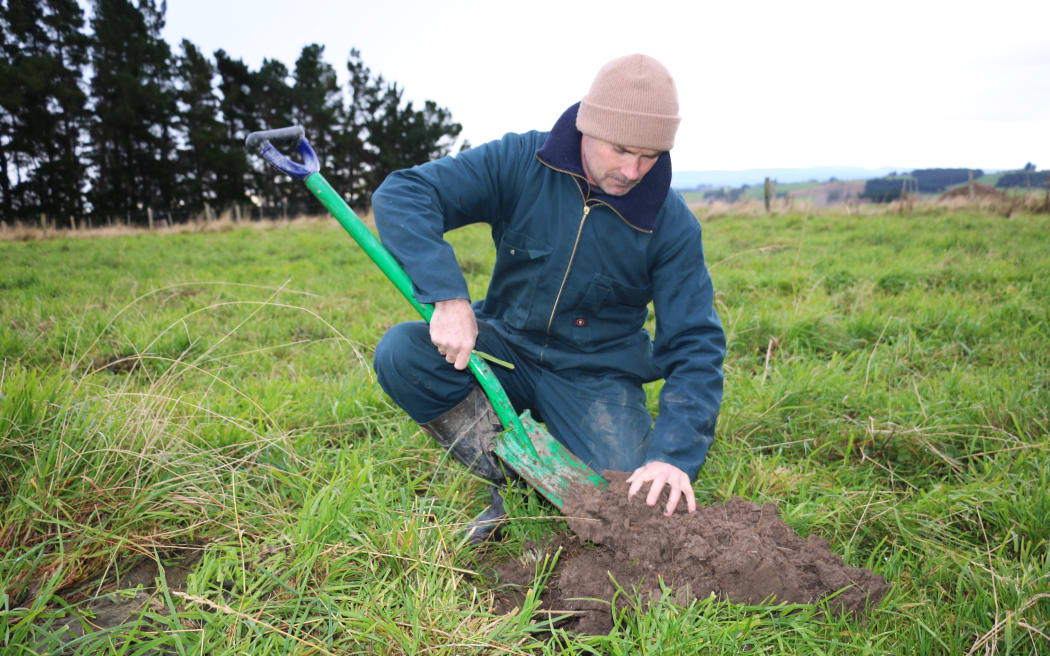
pixel 260 142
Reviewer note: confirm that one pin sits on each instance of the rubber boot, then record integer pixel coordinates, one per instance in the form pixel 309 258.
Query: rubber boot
pixel 486 526
pixel 467 432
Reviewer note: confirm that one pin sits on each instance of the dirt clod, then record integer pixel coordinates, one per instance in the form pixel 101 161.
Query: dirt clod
pixel 737 550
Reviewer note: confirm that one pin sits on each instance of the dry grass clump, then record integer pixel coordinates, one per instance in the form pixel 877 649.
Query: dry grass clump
pixel 994 202
pixel 748 207
pixel 982 191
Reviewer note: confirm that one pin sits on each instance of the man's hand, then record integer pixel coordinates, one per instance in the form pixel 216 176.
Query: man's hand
pixel 662 473
pixel 453 330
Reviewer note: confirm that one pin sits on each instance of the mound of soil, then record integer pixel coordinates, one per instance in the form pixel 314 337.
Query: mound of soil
pixel 979 191
pixel 738 550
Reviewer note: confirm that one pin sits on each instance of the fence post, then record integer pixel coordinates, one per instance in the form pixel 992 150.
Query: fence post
pixel 970 185
pixel 149 217
pixel 207 213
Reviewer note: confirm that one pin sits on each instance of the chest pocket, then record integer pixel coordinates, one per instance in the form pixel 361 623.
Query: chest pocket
pixel 608 310
pixel 520 260
pixel 520 247
pixel 603 292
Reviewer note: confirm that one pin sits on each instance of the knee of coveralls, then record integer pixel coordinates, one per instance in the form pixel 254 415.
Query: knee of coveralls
pixel 415 375
pixel 602 420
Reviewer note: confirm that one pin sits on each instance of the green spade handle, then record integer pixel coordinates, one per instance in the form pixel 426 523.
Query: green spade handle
pixel 259 142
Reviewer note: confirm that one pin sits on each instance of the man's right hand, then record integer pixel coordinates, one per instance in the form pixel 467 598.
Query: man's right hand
pixel 453 330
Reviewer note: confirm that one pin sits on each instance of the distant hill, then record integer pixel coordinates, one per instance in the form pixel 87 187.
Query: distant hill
pixel 694 179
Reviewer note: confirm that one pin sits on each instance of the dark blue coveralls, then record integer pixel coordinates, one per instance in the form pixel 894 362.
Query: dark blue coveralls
pixel 575 271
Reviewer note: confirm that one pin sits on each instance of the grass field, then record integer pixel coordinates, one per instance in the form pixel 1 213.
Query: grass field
pixel 208 399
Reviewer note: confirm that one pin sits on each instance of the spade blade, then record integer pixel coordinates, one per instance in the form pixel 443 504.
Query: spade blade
pixel 554 471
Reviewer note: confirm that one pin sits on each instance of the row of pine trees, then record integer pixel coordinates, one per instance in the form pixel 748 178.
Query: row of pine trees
pixel 100 121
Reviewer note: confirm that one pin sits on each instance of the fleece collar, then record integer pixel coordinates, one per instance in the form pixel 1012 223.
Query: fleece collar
pixel 639 207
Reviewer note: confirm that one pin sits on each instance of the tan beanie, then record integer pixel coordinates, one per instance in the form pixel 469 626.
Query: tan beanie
pixel 632 102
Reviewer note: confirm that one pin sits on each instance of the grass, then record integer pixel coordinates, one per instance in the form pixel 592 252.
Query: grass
pixel 887 386
pixel 758 191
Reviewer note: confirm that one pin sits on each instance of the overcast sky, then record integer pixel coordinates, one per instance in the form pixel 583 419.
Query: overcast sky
pixel 779 84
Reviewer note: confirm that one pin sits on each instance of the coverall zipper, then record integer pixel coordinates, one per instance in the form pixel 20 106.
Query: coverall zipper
pixel 572 256
pixel 586 210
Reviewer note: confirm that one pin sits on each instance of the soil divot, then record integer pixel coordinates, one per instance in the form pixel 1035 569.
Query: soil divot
pixel 115 608
pixel 738 550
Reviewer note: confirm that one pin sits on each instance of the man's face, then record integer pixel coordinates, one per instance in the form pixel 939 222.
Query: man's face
pixel 616 169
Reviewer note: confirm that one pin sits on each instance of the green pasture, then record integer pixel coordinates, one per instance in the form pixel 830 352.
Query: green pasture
pixel 758 191
pixel 208 399
pixel 989 179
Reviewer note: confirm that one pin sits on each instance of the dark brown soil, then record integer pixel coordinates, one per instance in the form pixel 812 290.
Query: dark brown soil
pixel 123 602
pixel 738 550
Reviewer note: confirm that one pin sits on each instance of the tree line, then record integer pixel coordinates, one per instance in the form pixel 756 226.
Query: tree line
pixel 101 121
pixel 934 181
pixel 925 181
pixel 1028 177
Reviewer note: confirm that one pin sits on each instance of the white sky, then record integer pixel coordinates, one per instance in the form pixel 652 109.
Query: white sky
pixel 779 84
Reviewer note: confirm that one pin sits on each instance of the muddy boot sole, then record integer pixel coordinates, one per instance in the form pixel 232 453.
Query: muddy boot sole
pixel 488 525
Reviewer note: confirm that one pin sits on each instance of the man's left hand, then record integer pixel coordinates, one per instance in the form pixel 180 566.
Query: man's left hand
pixel 662 473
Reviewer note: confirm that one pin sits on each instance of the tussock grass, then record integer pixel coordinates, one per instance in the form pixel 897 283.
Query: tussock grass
pixel 211 394
pixel 1007 206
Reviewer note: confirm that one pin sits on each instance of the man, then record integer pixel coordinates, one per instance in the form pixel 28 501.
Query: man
pixel 588 232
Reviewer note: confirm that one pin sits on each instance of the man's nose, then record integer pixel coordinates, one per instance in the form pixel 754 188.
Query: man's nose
pixel 630 169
